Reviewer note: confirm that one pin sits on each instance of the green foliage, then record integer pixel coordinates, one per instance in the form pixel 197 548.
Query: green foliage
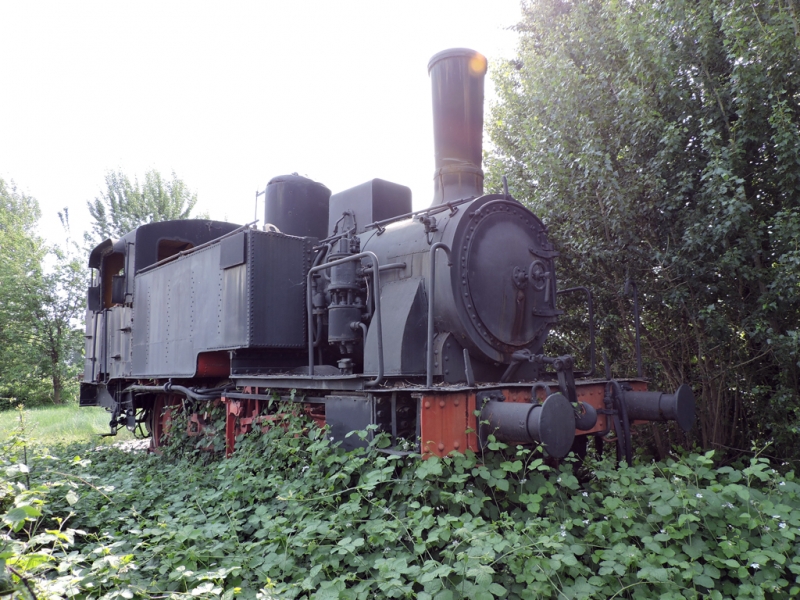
pixel 60 425
pixel 291 516
pixel 661 142
pixel 123 205
pixel 40 346
pixel 21 254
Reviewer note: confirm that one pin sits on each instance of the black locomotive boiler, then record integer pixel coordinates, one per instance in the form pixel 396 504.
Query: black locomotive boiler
pixel 429 325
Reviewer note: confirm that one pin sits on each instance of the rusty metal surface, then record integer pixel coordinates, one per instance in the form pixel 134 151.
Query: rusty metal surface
pixel 447 423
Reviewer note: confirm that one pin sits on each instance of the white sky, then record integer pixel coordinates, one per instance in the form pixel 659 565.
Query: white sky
pixel 227 95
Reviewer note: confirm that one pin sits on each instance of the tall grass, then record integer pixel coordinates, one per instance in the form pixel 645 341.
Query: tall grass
pixel 62 425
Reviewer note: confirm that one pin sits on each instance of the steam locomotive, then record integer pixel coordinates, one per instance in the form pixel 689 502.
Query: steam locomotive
pixel 428 324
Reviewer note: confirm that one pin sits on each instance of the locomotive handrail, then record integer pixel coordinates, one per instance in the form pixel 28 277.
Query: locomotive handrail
pixel 388 267
pixel 431 209
pixel 432 254
pixel 195 248
pixel 376 282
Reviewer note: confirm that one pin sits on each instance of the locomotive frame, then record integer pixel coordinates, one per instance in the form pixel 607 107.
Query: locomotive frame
pixel 427 324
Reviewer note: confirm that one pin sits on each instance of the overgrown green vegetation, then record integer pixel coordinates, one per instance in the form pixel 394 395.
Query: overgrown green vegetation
pixel 660 141
pixel 290 516
pixel 60 425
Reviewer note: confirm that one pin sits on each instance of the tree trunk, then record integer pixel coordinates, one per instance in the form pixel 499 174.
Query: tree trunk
pixel 56 391
pixel 58 385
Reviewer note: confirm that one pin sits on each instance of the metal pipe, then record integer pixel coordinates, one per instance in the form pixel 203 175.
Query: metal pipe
pixel 431 210
pixel 170 388
pixel 382 268
pixel 619 396
pixel 321 253
pixel 376 280
pixel 376 276
pixel 431 293
pixel 551 423
pixel 457 77
pixel 660 406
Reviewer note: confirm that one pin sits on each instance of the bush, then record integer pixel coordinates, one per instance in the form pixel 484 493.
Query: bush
pixel 291 516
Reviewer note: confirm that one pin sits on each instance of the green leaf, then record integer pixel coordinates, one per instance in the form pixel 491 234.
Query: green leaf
pixel 17 516
pixel 704 580
pixel 663 509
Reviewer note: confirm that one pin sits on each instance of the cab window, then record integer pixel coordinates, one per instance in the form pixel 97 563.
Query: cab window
pixel 112 277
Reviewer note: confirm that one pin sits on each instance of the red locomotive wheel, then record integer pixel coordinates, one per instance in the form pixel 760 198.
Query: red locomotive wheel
pixel 160 420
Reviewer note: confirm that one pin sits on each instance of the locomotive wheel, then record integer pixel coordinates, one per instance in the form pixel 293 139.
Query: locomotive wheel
pixel 160 420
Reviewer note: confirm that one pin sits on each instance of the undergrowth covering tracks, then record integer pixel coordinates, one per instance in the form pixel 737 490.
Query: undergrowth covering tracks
pixel 289 516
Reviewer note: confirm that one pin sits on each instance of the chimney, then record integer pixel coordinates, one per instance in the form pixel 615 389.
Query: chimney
pixel 457 81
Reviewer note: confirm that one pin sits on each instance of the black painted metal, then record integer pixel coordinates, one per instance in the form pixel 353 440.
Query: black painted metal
pixel 233 250
pixel 468 373
pixel 431 210
pixel 347 305
pixel 431 295
pixel 449 364
pixel 622 423
pixel 586 417
pixel 404 332
pixel 659 406
pixel 190 305
pixel 551 424
pixel 375 200
pixel 346 414
pixel 276 289
pixel 477 298
pixel 118 289
pixel 297 206
pixel 94 299
pixel 457 83
pixel 195 233
pixel 326 381
pixel 377 317
pixel 493 239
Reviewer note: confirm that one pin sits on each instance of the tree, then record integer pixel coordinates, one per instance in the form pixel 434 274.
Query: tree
pixel 123 206
pixel 661 142
pixel 40 309
pixel 21 254
pixel 58 334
